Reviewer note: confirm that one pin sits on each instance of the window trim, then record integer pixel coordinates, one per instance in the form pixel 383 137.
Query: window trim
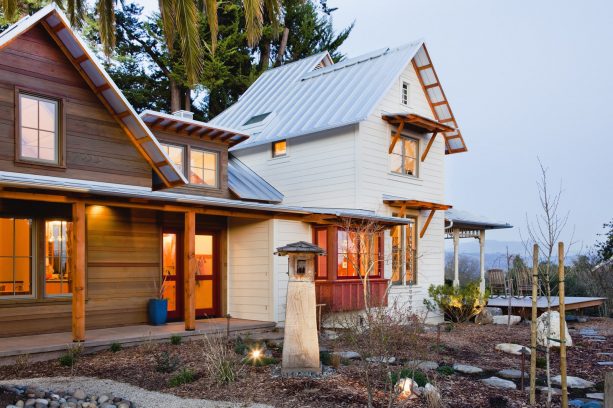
pixel 404 137
pixel 60 163
pixel 43 256
pixel 404 82
pixel 278 156
pixel 380 261
pixel 185 154
pixel 33 262
pixel 188 168
pixel 403 253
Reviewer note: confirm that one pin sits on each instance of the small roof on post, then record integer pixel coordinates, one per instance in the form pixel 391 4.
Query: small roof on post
pixel 420 123
pixel 465 220
pixel 299 247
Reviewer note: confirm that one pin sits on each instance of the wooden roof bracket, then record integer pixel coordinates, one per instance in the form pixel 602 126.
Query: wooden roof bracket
pixel 396 136
pixel 425 153
pixel 425 227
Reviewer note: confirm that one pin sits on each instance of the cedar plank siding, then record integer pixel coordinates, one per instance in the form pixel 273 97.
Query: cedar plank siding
pixel 184 139
pixel 96 146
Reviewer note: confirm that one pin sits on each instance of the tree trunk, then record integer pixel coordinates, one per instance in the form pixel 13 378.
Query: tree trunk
pixel 264 56
pixel 187 99
pixel 175 96
pixel 282 47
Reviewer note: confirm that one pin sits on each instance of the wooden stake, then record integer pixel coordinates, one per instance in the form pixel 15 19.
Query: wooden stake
pixel 535 277
pixel 562 309
pixel 78 271
pixel 189 267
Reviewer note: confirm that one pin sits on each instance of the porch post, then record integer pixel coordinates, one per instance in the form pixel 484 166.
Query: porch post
pixel 482 260
pixel 332 257
pixel 456 266
pixel 189 266
pixel 77 261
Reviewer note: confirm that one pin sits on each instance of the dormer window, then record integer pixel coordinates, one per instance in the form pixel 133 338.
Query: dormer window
pixel 175 154
pixel 203 168
pixel 405 93
pixel 39 129
pixel 279 148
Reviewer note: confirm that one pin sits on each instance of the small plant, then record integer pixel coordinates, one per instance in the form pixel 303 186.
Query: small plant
pixel 176 339
pixel 115 347
pixel 445 370
pixel 221 362
pixel 240 347
pixel 541 362
pixel 166 363
pixel 21 363
pixel 459 304
pixel 185 376
pixel 417 376
pixel 72 355
pixel 325 357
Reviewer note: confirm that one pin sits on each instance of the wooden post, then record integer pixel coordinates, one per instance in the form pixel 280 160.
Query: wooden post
pixel 482 261
pixel 535 277
pixel 77 261
pixel 608 390
pixel 189 270
pixel 562 309
pixel 456 255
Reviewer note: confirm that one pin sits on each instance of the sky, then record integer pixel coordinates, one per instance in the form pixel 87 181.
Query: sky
pixel 526 80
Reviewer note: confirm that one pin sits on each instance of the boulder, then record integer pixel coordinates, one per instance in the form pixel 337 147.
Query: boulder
pixel 406 386
pixel 504 319
pixel 542 324
pixel 573 382
pixel 79 394
pixel 485 317
pixel 432 393
pixel 499 383
pixel 494 311
pixel 467 369
pixel 511 348
pixel 512 373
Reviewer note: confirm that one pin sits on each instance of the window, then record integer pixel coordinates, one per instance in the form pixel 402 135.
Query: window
pixel 404 93
pixel 321 240
pixel 279 148
pixel 404 273
pixel 175 154
pixel 404 156
pixel 203 168
pixel 58 281
pixel 15 257
pixel 38 129
pixel 358 252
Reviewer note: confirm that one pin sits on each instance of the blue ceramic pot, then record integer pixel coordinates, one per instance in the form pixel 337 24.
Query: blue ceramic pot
pixel 158 310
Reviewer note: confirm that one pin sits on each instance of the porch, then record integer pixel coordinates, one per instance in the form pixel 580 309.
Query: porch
pixel 48 346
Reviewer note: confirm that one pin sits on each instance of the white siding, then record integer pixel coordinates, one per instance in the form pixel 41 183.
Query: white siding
pixel 250 269
pixel 286 232
pixel 319 170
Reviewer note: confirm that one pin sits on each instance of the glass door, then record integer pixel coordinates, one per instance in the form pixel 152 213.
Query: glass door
pixel 172 274
pixel 207 274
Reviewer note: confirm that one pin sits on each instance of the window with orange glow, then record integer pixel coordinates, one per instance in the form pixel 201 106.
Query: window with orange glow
pixel 321 240
pixel 58 248
pixel 15 257
pixel 359 252
pixel 279 148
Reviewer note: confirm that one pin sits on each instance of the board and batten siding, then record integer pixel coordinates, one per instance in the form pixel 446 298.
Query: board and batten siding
pixel 286 232
pixel 96 146
pixel 250 269
pixel 319 170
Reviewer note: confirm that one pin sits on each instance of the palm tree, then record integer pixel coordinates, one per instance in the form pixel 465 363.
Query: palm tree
pixel 180 21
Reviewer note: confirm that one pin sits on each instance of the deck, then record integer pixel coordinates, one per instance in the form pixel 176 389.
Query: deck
pixel 525 302
pixel 43 347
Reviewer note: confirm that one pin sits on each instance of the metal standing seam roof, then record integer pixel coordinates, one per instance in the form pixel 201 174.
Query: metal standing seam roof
pixel 35 181
pixel 79 54
pixel 468 220
pixel 248 185
pixel 305 99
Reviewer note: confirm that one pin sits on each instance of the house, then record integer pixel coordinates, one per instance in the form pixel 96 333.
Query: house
pixel 101 207
pixel 367 134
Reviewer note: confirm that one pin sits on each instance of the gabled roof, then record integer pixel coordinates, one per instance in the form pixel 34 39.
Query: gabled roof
pixel 56 24
pixel 247 185
pixel 313 95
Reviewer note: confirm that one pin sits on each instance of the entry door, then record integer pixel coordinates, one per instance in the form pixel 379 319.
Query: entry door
pixel 172 273
pixel 207 274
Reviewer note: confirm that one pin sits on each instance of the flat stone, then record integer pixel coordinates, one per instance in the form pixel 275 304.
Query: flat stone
pixel 504 319
pixel 102 399
pixel 349 355
pixel 554 391
pixel 595 395
pixel 511 348
pixel 381 360
pixel 499 383
pixel 42 401
pixel 512 373
pixel 423 364
pixel 467 369
pixel 573 382
pixel 605 363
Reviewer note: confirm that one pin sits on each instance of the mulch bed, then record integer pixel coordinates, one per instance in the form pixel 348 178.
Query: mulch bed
pixel 466 343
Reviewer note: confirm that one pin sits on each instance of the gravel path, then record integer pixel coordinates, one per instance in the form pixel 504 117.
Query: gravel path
pixel 141 397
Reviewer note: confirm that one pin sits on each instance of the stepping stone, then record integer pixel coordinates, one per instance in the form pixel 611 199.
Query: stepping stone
pixel 423 364
pixel 554 391
pixel 504 319
pixel 512 373
pixel 467 369
pixel 573 382
pixel 349 355
pixel 500 383
pixel 511 348
pixel 381 359
pixel 592 404
pixel 605 363
pixel 595 395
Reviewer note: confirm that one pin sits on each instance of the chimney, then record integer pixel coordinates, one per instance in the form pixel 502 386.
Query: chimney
pixel 184 114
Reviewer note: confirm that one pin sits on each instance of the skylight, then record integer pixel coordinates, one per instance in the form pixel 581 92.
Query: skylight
pixel 256 119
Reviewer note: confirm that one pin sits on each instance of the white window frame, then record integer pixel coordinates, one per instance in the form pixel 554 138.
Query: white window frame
pixel 57 161
pixel 217 167
pixel 404 252
pixel 404 82
pixel 400 141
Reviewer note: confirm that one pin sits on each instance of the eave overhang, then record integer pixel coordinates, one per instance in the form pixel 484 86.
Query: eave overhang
pixel 418 205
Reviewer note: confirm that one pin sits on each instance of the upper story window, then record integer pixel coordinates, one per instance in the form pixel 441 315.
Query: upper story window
pixel 39 139
pixel 405 93
pixel 203 166
pixel 279 148
pixel 404 156
pixel 176 154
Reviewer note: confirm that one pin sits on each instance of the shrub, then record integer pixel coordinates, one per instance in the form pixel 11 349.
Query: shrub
pixel 166 363
pixel 115 347
pixel 420 378
pixel 458 304
pixel 541 362
pixel 221 362
pixel 445 370
pixel 184 376
pixel 176 339
pixel 240 347
pixel 325 357
pixel 68 360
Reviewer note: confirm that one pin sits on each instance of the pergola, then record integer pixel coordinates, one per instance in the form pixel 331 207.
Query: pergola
pixel 462 224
